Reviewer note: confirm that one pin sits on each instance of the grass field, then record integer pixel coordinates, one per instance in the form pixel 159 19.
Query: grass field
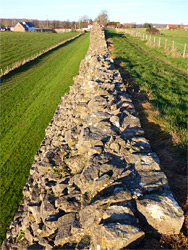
pixel 178 36
pixel 16 46
pixel 177 62
pixel 29 99
pixel 165 85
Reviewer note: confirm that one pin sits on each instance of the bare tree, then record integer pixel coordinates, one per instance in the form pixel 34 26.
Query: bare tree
pixel 103 17
pixel 84 19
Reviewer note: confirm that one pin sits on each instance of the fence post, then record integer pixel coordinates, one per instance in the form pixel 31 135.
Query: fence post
pixel 172 45
pixel 159 42
pixel 184 50
pixel 154 40
pixel 165 43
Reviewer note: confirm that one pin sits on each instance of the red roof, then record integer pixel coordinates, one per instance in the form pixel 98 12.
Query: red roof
pixel 176 25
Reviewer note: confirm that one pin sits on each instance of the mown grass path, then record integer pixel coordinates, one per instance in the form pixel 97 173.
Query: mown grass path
pixel 29 99
pixel 166 86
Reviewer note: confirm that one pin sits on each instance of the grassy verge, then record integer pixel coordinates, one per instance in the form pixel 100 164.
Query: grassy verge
pixel 29 99
pixel 179 37
pixel 16 46
pixel 166 55
pixel 166 86
pixel 159 93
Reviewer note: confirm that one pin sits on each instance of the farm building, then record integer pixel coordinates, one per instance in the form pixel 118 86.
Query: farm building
pixel 2 28
pixel 175 26
pixel 86 26
pixel 12 27
pixel 24 27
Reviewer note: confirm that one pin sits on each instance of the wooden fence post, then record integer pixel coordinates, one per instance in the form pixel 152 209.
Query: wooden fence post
pixel 165 43
pixel 184 50
pixel 172 45
pixel 159 42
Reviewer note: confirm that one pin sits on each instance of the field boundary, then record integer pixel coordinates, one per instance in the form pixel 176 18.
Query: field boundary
pixel 155 57
pixel 157 42
pixel 20 63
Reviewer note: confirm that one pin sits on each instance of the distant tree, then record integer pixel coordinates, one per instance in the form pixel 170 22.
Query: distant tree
pixel 147 25
pixel 36 23
pixel 152 31
pixel 84 19
pixel 132 25
pixel 127 25
pixel 102 17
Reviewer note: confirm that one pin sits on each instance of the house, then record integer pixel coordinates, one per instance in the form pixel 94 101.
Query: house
pixel 174 26
pixel 12 27
pixel 2 28
pixel 86 26
pixel 24 27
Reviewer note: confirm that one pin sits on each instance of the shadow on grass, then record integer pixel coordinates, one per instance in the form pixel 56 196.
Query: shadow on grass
pixel 32 63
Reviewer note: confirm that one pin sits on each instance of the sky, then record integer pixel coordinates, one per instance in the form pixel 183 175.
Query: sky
pixel 123 11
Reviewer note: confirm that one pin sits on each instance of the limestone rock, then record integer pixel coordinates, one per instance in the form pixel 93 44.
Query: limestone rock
pixel 119 212
pixel 94 178
pixel 162 212
pixel 64 230
pixel 115 236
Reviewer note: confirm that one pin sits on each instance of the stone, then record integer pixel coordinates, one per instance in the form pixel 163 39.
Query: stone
pixel 94 178
pixel 64 230
pixel 162 212
pixel 119 213
pixel 143 162
pixel 145 182
pixel 115 236
pixel 76 163
pixel 35 210
pixel 115 120
pixel 68 203
pixel 29 237
pixel 95 150
pixel 91 215
pixel 47 208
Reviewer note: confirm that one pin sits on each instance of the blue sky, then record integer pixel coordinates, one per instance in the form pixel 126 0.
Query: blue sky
pixel 139 11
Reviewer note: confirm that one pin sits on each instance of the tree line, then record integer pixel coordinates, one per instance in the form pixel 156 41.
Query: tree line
pixel 50 24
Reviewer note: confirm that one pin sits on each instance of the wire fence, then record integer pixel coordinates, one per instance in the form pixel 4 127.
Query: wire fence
pixel 168 44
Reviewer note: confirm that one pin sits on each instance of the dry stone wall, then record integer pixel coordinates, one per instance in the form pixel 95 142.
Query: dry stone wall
pixel 95 182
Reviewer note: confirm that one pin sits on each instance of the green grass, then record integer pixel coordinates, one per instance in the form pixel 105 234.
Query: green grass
pixel 16 46
pixel 29 99
pixel 166 86
pixel 178 62
pixel 178 36
pixel 175 33
pixel 164 32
